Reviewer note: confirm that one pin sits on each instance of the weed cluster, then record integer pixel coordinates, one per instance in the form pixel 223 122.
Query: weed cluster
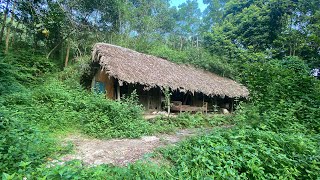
pixel 23 147
pixel 246 154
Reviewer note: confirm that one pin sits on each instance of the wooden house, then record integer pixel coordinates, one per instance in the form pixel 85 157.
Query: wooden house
pixel 119 71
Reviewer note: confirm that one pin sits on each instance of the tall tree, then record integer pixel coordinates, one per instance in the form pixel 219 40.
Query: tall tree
pixel 213 14
pixel 4 21
pixel 278 28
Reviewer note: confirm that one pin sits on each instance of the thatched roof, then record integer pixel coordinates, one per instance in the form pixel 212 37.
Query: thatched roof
pixel 133 67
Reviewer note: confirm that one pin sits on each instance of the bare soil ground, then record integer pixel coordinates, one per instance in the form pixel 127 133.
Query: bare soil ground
pixel 122 151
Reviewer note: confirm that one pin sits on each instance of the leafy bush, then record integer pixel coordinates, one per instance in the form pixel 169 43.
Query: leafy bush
pixel 22 146
pixel 283 91
pixel 8 82
pixel 115 119
pixel 28 66
pixel 76 170
pixel 165 124
pixel 185 120
pixel 22 67
pixel 246 153
pixel 53 105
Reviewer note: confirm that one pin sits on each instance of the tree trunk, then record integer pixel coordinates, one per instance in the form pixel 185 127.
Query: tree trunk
pixel 4 21
pixel 48 55
pixel 294 49
pixel 67 55
pixel 181 43
pixel 197 41
pixel 9 28
pixel 15 34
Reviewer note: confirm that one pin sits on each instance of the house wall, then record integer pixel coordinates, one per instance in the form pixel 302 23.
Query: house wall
pixel 101 76
pixel 150 99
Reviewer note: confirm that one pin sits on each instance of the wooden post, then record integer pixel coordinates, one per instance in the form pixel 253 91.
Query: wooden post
pixel 159 104
pixel 93 83
pixel 168 102
pixel 118 91
pixel 215 104
pixel 231 108
pixel 166 92
pixel 148 100
pixel 203 103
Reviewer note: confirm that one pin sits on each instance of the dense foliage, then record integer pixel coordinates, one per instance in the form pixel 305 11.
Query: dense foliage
pixel 283 91
pixel 23 146
pixel 247 154
pixel 269 46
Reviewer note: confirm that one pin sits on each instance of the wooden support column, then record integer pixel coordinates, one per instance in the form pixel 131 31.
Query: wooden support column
pixel 168 102
pixel 118 91
pixel 93 84
pixel 215 104
pixel 231 108
pixel 203 103
pixel 159 103
pixel 148 100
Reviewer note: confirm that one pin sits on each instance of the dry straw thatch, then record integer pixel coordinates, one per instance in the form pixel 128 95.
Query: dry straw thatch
pixel 133 67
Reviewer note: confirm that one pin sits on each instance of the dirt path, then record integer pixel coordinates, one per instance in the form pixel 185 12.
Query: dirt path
pixel 121 151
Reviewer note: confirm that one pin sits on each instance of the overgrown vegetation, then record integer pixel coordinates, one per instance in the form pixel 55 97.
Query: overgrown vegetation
pixel 269 46
pixel 247 154
pixel 59 103
pixel 23 146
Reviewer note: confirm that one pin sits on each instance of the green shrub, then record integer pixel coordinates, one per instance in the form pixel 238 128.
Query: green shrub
pixel 105 118
pixel 283 95
pixel 8 82
pixel 22 146
pixel 76 170
pixel 246 153
pixel 165 124
pixel 186 120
